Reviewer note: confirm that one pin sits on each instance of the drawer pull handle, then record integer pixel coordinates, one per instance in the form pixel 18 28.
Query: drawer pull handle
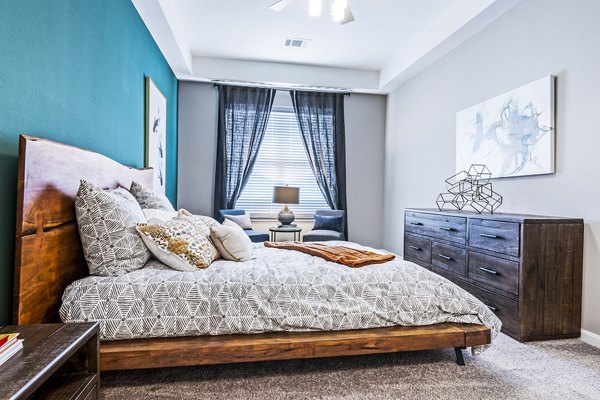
pixel 415 247
pixel 445 228
pixel 491 307
pixel 445 257
pixel 487 235
pixel 416 223
pixel 489 271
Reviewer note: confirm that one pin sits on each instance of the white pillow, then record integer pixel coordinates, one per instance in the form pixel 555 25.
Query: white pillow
pixel 242 220
pixel 231 241
pixel 155 216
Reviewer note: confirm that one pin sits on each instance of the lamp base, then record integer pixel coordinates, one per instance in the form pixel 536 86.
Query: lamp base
pixel 286 217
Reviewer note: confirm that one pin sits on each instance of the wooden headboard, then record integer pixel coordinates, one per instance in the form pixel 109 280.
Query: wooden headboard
pixel 48 254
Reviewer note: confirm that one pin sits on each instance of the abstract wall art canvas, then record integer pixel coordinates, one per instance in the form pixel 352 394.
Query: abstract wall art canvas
pixel 513 134
pixel 156 134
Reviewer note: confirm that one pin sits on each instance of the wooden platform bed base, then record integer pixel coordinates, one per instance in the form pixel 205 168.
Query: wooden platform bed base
pixel 205 350
pixel 48 257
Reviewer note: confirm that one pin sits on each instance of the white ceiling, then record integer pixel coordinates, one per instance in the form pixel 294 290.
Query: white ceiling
pixel 249 30
pixel 243 40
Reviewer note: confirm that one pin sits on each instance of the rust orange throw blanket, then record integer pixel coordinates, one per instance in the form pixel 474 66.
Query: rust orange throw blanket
pixel 339 254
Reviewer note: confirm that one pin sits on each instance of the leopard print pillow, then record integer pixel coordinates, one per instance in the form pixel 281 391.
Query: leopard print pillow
pixel 178 245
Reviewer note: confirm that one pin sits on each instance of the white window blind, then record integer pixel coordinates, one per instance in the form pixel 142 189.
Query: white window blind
pixel 281 160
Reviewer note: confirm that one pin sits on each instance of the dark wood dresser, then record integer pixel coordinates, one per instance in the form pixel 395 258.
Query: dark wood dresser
pixel 525 268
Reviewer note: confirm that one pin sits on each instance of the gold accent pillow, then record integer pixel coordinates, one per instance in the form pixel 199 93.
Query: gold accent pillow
pixel 178 245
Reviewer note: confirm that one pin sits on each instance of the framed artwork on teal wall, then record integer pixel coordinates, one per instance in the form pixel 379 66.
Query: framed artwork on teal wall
pixel 156 133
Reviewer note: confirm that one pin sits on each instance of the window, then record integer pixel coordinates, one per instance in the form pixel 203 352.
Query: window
pixel 281 160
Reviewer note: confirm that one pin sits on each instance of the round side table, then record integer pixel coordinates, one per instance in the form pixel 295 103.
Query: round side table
pixel 292 229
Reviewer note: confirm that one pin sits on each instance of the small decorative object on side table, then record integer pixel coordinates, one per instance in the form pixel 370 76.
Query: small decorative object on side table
pixel 286 229
pixel 286 195
pixel 57 361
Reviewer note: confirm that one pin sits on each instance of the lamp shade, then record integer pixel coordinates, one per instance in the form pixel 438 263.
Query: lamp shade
pixel 286 195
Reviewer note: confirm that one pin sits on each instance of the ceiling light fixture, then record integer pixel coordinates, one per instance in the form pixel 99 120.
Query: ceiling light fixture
pixel 338 10
pixel 348 16
pixel 314 8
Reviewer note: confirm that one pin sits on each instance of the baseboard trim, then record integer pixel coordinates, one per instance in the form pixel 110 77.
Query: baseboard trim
pixel 590 338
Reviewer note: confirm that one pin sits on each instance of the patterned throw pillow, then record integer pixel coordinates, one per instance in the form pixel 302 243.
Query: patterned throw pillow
pixel 147 198
pixel 178 245
pixel 202 225
pixel 201 222
pixel 107 221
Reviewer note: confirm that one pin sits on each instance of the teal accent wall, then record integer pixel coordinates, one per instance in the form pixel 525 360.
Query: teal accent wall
pixel 73 71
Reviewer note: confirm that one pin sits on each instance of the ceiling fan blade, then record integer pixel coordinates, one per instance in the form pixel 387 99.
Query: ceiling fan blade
pixel 280 5
pixel 348 16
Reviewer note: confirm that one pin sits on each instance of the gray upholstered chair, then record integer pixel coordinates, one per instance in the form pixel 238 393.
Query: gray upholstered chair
pixel 254 235
pixel 324 235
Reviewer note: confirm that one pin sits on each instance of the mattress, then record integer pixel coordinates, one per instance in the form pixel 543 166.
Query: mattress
pixel 278 290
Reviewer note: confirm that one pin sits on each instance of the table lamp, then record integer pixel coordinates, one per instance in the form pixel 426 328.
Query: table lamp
pixel 286 195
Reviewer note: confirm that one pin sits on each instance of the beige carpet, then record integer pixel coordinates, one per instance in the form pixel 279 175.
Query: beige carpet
pixel 564 369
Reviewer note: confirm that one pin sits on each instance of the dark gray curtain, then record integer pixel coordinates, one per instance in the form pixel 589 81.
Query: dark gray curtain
pixel 243 116
pixel 321 121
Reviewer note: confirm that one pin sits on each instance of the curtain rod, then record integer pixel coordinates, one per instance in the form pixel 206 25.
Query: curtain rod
pixel 282 88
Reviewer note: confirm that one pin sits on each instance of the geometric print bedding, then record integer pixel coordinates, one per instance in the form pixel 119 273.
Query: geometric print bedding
pixel 277 290
pixel 106 221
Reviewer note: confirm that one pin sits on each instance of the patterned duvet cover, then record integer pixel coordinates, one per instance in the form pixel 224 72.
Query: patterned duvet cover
pixel 278 290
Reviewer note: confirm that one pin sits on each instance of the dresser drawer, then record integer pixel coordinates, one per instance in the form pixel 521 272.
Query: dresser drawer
pixel 494 271
pixel 417 247
pixel 453 229
pixel 501 237
pixel 505 309
pixel 449 258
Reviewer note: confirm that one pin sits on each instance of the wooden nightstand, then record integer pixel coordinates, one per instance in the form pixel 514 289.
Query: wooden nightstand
pixel 58 361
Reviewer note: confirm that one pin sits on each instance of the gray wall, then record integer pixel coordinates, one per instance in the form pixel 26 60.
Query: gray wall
pixel 365 141
pixel 536 38
pixel 365 133
pixel 196 163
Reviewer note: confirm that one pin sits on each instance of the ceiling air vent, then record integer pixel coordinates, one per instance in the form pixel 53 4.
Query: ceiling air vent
pixel 299 43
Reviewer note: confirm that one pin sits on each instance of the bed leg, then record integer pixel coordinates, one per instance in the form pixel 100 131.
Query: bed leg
pixel 460 360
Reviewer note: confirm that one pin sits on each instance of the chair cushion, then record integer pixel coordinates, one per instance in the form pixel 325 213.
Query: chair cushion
pixel 223 213
pixel 328 223
pixel 321 235
pixel 242 220
pixel 257 236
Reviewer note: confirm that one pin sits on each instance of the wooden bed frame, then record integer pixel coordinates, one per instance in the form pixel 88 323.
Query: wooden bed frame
pixel 49 257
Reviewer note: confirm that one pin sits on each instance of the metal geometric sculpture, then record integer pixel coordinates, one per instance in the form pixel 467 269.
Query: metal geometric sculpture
pixel 470 188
